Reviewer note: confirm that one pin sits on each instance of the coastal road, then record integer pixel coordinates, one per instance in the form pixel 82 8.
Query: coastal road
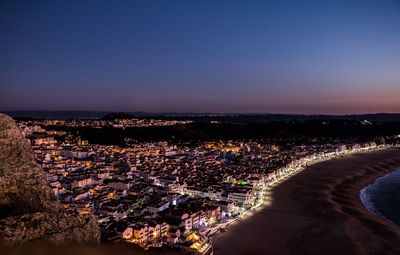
pixel 318 211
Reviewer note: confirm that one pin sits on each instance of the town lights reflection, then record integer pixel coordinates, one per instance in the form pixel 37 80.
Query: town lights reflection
pixel 268 200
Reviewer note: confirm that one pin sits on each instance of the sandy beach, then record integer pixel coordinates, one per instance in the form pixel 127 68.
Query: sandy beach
pixel 318 211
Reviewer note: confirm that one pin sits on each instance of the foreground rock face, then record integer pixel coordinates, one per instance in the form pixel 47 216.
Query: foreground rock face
pixel 29 210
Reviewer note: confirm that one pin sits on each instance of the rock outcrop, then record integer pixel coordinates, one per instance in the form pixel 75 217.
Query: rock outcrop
pixel 29 211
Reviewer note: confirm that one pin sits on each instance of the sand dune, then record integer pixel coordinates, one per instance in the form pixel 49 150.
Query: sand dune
pixel 319 211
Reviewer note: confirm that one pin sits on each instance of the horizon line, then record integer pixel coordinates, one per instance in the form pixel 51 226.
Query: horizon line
pixel 198 113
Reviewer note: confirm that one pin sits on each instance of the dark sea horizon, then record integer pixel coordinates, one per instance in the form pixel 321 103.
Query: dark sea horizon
pixel 382 197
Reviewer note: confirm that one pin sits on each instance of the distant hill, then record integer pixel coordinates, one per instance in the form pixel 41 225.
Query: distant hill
pixel 276 132
pixel 117 115
pixel 201 117
pixel 56 114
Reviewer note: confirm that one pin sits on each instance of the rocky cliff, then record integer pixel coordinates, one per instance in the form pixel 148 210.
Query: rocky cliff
pixel 29 210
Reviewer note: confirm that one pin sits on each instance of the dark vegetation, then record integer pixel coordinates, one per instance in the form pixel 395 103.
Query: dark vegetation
pixel 311 131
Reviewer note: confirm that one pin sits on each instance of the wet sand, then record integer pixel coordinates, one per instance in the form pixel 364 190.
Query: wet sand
pixel 318 211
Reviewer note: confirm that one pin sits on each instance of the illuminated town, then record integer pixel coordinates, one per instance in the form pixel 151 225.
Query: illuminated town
pixel 200 127
pixel 162 194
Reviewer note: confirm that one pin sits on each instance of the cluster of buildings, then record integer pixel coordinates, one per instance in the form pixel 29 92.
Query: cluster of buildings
pixel 162 194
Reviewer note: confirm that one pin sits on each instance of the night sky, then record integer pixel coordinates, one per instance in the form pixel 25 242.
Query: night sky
pixel 334 57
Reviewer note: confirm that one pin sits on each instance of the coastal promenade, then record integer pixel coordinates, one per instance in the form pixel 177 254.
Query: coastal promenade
pixel 319 211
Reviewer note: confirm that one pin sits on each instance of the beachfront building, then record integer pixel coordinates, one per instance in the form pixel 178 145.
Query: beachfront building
pixel 242 196
pixel 342 149
pixel 198 244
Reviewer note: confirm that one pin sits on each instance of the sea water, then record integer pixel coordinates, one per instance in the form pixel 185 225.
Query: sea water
pixel 382 198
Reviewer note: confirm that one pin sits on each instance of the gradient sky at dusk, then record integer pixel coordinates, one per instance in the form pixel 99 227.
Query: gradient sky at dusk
pixel 197 56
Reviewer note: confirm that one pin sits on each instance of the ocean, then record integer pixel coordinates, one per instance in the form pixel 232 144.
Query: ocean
pixel 383 197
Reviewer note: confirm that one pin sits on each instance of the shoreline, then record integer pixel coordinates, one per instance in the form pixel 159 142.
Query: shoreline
pixel 289 171
pixel 366 199
pixel 323 199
